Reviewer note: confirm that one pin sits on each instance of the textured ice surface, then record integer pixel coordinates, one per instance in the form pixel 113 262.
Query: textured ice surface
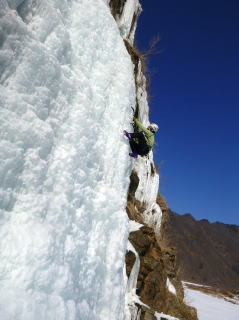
pixel 66 87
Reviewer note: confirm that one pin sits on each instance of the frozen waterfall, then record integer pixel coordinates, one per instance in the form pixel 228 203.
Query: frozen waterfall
pixel 66 88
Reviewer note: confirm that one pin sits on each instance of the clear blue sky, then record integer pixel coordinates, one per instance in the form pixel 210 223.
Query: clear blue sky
pixel 195 99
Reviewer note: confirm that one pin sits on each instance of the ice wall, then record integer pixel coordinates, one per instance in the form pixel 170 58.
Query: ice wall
pixel 66 87
pixel 148 187
pixel 126 14
pixel 144 200
pixel 127 20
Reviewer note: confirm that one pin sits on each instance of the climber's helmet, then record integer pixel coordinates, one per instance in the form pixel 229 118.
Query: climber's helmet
pixel 153 127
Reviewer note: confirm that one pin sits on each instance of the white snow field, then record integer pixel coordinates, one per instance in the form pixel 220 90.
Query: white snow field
pixel 210 307
pixel 66 90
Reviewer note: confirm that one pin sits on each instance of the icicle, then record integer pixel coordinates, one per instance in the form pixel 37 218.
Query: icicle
pixel 132 312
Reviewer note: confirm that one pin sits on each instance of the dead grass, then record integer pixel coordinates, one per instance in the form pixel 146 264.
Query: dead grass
pixel 142 57
pixel 217 292
pixel 136 56
pixel 185 312
pixel 161 201
pixel 152 49
pixel 175 307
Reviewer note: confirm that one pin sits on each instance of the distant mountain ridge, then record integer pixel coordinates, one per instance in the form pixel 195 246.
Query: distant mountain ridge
pixel 208 253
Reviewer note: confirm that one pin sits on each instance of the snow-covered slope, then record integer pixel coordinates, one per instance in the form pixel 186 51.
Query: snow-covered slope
pixel 210 307
pixel 66 88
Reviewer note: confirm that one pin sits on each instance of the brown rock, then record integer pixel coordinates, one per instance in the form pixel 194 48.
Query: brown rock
pixel 156 264
pixel 129 260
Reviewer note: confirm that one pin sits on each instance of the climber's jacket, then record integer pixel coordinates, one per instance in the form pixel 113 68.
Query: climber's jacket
pixel 149 135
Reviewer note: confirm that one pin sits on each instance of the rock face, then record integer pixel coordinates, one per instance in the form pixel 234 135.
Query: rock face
pixel 151 284
pixel 154 285
pixel 203 246
pixel 157 265
pixel 117 7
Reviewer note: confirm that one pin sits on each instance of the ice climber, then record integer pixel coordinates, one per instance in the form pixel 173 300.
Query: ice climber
pixel 142 141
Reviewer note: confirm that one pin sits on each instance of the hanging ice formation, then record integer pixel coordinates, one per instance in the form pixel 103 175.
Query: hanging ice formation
pixel 66 89
pixel 148 183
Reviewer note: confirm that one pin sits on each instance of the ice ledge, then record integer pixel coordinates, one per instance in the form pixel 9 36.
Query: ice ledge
pixel 160 316
pixel 126 14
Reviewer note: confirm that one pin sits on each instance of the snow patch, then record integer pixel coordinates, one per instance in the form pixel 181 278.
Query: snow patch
pixel 159 316
pixel 210 307
pixel 171 287
pixel 134 226
pixel 185 283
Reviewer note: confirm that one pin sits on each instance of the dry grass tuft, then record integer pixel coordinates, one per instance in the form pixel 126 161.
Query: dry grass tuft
pixel 217 292
pixel 161 201
pixel 142 57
